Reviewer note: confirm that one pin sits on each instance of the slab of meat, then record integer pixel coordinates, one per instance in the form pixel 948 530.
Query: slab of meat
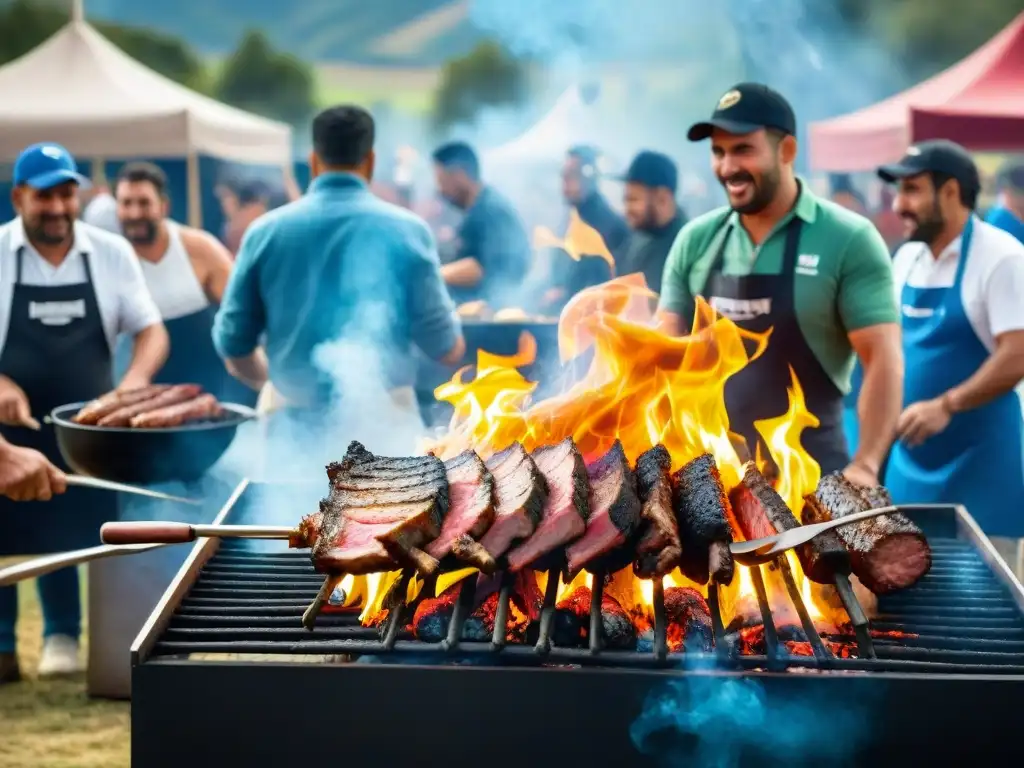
pixel 702 512
pixel 564 516
pixel 659 548
pixel 470 512
pixel 178 393
pixel 519 494
pixel 614 510
pixel 113 401
pixel 761 511
pixel 887 552
pixel 196 409
pixel 380 513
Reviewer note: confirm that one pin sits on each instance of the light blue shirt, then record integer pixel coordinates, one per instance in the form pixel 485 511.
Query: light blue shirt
pixel 344 286
pixel 1007 221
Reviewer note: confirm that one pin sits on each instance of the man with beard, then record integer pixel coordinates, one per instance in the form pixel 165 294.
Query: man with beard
pixel 66 290
pixel 186 271
pixel 653 215
pixel 1008 214
pixel 492 251
pixel 817 275
pixel 959 283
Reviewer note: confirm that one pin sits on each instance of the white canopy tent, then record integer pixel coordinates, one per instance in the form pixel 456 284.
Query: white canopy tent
pixel 80 90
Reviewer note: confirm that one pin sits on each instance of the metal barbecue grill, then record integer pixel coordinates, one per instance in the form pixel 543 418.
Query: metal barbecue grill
pixel 961 667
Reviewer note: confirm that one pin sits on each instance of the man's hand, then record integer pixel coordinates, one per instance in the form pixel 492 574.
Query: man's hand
pixel 923 420
pixel 27 475
pixel 860 474
pixel 14 407
pixel 132 381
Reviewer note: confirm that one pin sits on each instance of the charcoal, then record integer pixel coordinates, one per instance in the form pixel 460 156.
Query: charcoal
pixel 688 621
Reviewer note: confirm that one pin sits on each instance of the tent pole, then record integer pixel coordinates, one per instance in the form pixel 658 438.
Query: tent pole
pixel 195 194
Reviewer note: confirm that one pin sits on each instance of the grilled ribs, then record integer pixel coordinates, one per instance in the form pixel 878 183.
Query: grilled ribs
pixel 519 494
pixel 470 512
pixel 702 512
pixel 659 548
pixel 887 552
pixel 614 511
pixel 564 516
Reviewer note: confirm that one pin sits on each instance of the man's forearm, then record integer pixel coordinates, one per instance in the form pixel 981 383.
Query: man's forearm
pixel 878 410
pixel 999 374
pixel 464 273
pixel 149 353
pixel 252 370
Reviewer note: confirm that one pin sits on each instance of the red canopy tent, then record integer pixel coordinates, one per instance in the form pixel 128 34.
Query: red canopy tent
pixel 978 102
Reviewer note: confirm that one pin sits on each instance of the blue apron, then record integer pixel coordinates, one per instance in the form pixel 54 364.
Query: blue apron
pixel 977 460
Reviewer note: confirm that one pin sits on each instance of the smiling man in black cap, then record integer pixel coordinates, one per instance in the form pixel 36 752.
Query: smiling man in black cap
pixel 816 274
pixel 653 215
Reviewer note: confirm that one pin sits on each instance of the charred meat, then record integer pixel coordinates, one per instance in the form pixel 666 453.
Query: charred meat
pixel 614 510
pixel 659 548
pixel 702 512
pixel 566 509
pixel 887 552
pixel 470 512
pixel 519 492
pixel 761 511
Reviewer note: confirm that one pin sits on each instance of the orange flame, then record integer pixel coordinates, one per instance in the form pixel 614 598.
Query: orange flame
pixel 580 240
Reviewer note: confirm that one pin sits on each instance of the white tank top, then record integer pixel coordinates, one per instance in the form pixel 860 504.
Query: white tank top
pixel 172 282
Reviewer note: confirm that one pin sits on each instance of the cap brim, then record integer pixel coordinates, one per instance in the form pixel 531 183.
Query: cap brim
pixel 56 178
pixel 701 131
pixel 893 173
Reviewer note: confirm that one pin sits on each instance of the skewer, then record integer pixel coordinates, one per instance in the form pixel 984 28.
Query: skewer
pixel 771 637
pixel 498 638
pixel 859 620
pixel 547 612
pixel 660 628
pixel 817 646
pixel 596 593
pixel 393 622
pixel 166 532
pixel 460 612
pixel 310 614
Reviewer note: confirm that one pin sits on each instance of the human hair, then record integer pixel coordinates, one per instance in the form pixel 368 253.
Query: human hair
pixel 138 172
pixel 343 136
pixel 775 135
pixel 968 195
pixel 458 155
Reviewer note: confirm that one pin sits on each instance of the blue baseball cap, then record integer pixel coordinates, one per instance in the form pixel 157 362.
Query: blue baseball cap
pixel 46 165
pixel 652 169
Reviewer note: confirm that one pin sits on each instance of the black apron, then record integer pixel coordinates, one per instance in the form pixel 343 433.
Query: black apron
pixel 758 391
pixel 57 352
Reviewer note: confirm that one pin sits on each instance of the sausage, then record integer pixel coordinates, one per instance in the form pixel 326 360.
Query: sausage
pixel 202 407
pixel 179 393
pixel 92 412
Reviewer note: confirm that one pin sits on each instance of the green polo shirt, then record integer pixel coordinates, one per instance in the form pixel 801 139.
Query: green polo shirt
pixel 843 278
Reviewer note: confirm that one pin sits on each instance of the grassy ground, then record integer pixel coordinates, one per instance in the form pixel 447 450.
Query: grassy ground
pixel 52 723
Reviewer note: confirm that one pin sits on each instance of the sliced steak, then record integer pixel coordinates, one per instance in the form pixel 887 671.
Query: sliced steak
pixel 519 495
pixel 374 520
pixel 887 552
pixel 470 512
pixel 564 516
pixel 659 548
pixel 614 510
pixel 702 512
pixel 761 511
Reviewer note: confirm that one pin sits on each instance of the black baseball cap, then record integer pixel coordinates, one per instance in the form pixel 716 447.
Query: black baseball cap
pixel 938 156
pixel 745 108
pixel 652 169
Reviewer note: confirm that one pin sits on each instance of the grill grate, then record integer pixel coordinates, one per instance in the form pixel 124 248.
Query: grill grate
pixel 251 602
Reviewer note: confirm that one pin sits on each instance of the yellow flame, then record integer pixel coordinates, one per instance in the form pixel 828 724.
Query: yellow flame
pixel 580 240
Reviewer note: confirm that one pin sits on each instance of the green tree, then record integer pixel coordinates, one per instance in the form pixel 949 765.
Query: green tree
pixel 485 77
pixel 259 79
pixel 24 24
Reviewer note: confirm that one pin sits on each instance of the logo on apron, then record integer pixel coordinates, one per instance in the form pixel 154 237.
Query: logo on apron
pixel 807 264
pixel 56 312
pixel 741 309
pixel 912 311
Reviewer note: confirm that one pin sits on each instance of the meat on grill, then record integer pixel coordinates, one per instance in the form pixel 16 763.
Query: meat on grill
pixel 92 412
pixel 380 513
pixel 761 511
pixel 887 552
pixel 659 548
pixel 519 494
pixel 179 393
pixel 564 516
pixel 614 510
pixel 196 409
pixel 470 512
pixel 702 511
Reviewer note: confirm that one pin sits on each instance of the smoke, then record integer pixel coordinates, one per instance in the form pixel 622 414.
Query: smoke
pixel 723 721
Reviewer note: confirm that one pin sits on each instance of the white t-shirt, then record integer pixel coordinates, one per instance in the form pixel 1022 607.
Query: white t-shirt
pixel 124 302
pixel 992 290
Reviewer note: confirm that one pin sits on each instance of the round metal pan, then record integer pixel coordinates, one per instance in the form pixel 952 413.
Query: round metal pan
pixel 146 456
